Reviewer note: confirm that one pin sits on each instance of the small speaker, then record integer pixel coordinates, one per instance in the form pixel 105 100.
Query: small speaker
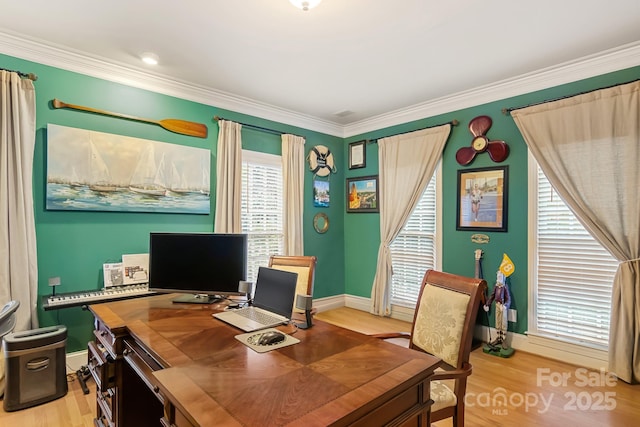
pixel 246 288
pixel 304 302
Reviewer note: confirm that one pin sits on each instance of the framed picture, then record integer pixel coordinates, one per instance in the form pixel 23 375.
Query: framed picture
pixel 321 197
pixel 362 194
pixel 96 171
pixel 357 155
pixel 482 199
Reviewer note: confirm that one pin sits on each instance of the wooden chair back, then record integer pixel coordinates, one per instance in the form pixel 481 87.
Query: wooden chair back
pixel 304 265
pixel 443 326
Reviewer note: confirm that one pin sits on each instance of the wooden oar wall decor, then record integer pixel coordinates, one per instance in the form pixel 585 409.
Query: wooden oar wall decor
pixel 174 125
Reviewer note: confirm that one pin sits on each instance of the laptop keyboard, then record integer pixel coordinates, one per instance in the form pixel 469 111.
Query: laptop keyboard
pixel 258 316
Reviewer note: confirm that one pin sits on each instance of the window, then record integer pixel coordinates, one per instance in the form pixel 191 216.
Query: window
pixel 414 250
pixel 262 208
pixel 573 274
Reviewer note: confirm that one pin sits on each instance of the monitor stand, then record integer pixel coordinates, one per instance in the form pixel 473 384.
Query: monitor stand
pixel 197 299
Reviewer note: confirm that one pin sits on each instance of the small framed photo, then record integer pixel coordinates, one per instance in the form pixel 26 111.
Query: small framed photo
pixel 321 194
pixel 357 155
pixel 482 199
pixel 362 194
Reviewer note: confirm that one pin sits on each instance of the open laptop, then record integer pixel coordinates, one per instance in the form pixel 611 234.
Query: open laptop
pixel 272 303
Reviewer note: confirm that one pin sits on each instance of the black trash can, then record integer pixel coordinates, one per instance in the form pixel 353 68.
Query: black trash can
pixel 35 369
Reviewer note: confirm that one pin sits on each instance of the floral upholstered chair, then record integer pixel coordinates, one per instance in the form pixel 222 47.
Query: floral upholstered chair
pixel 443 326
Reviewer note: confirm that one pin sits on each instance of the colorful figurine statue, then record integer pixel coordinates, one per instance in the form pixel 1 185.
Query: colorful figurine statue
pixel 500 295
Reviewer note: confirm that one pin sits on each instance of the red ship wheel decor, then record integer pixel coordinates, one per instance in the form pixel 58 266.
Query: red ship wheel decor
pixel 498 150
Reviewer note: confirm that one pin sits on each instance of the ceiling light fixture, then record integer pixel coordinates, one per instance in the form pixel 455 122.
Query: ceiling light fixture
pixel 305 4
pixel 149 58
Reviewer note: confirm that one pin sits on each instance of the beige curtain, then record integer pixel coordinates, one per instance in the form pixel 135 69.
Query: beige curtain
pixel 18 256
pixel 228 178
pixel 589 148
pixel 293 177
pixel 406 164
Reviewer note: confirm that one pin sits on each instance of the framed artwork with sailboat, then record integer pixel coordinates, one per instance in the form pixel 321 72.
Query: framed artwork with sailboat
pixel 96 171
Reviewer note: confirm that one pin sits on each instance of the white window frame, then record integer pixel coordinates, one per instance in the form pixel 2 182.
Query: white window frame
pixel 273 160
pixel 573 351
pixel 404 312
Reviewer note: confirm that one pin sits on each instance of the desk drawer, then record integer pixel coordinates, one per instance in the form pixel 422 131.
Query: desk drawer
pixel 102 366
pixel 174 418
pixel 105 400
pixel 101 422
pixel 144 365
pixel 106 338
pixel 387 413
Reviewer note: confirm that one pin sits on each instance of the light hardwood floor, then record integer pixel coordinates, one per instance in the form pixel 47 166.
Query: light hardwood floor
pixel 524 390
pixel 536 391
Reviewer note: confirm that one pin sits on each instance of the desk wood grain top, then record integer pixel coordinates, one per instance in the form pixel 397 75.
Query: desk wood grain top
pixel 332 376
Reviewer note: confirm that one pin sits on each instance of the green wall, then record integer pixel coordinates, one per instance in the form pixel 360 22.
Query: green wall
pixel 362 231
pixel 74 245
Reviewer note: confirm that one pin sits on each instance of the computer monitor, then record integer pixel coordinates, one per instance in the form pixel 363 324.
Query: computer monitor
pixel 204 266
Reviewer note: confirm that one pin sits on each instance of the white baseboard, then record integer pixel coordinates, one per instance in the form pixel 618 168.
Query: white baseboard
pixel 329 303
pixel 553 349
pixel 76 360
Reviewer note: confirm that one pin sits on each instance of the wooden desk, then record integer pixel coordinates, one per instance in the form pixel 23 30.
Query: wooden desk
pixel 160 363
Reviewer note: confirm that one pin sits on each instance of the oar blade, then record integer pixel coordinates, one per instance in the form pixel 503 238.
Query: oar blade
pixel 184 127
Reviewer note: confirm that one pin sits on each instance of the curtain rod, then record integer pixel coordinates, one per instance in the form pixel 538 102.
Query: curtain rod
pixel 507 111
pixel 260 128
pixel 453 122
pixel 29 76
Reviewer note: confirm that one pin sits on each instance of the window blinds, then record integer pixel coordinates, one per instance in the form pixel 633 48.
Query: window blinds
pixel 574 274
pixel 262 208
pixel 413 251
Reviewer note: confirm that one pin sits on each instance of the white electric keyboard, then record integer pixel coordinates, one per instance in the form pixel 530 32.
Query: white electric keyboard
pixel 51 302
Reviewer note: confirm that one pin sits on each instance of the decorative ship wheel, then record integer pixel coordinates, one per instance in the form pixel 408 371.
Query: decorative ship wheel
pixel 498 150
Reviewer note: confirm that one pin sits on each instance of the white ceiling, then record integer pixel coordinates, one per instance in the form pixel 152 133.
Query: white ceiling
pixel 341 64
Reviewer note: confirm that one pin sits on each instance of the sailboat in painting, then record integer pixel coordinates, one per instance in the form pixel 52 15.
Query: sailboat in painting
pixel 205 182
pixel 100 177
pixel 178 183
pixel 74 182
pixel 148 177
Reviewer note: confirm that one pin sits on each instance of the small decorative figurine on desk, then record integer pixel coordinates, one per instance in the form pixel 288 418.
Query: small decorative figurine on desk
pixel 502 298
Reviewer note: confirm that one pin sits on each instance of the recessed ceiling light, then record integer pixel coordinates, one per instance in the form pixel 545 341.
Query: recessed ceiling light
pixel 149 58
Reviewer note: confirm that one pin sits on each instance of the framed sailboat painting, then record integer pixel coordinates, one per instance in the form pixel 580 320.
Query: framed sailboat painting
pixel 96 171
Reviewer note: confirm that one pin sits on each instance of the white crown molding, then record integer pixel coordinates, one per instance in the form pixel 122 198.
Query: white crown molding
pixel 608 61
pixel 622 57
pixel 56 56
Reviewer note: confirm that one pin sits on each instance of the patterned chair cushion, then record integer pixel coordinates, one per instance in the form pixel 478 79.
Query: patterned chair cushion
pixel 442 396
pixel 440 321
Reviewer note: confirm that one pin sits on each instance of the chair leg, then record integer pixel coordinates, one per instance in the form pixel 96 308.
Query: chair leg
pixel 458 416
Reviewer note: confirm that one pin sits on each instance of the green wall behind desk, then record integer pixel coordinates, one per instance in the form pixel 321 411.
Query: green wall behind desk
pixel 74 245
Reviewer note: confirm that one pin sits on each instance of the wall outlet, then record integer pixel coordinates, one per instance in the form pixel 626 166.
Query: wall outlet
pixel 512 315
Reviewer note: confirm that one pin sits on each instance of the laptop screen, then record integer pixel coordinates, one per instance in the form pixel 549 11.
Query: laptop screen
pixel 275 291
